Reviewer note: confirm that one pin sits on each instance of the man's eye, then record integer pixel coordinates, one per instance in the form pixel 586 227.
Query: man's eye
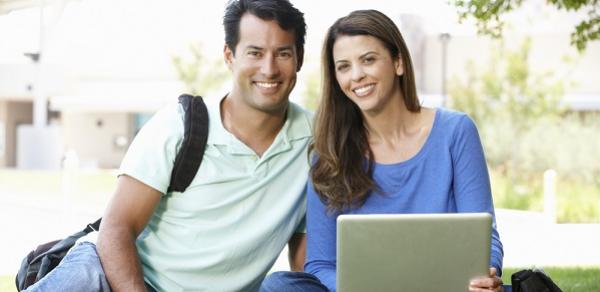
pixel 254 53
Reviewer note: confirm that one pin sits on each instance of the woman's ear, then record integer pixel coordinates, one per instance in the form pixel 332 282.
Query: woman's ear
pixel 399 65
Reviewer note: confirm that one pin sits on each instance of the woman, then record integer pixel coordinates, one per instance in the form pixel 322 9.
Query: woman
pixel 379 151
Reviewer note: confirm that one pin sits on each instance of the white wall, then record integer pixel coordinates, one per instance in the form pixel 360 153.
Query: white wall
pixel 93 137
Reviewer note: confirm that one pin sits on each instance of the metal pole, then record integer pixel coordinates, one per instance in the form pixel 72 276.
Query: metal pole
pixel 40 107
pixel 444 39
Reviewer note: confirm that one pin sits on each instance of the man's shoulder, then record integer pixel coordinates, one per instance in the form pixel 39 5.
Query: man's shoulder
pixel 173 111
pixel 301 114
pixel 300 110
pixel 301 121
pixel 168 120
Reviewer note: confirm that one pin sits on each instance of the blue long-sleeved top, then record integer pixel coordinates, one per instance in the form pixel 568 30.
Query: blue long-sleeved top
pixel 448 175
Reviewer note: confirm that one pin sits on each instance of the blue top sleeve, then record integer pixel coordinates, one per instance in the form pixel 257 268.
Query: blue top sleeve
pixel 471 185
pixel 321 240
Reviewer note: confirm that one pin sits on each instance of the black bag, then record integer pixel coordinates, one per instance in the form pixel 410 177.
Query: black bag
pixel 39 262
pixel 532 281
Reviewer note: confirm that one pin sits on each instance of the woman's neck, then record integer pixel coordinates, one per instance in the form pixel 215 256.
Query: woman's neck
pixel 397 134
pixel 393 123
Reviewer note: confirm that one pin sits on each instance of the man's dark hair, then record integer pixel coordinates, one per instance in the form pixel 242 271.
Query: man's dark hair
pixel 283 12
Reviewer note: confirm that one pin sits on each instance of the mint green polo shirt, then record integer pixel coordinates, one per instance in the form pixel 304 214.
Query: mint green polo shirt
pixel 227 229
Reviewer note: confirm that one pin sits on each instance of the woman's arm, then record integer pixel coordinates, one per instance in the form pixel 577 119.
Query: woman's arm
pixel 321 245
pixel 471 185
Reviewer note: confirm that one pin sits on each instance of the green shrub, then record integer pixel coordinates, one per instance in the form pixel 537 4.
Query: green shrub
pixel 526 130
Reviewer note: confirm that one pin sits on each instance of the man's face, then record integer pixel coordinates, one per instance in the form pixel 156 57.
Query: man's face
pixel 264 64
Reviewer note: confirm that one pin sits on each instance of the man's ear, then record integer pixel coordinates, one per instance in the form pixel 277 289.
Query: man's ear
pixel 399 65
pixel 300 60
pixel 228 56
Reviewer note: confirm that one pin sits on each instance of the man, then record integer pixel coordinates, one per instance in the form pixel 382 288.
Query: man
pixel 247 199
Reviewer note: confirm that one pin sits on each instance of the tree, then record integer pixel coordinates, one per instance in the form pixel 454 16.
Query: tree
pixel 488 15
pixel 312 90
pixel 200 74
pixel 506 99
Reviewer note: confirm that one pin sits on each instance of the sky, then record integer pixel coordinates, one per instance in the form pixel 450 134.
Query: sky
pixel 115 26
pixel 137 39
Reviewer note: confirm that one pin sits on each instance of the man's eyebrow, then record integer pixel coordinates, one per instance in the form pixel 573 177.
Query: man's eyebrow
pixel 285 48
pixel 251 47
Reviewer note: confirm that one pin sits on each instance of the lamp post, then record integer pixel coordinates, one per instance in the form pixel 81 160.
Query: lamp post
pixel 444 39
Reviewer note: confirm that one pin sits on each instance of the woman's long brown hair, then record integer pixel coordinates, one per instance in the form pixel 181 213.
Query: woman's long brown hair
pixel 342 172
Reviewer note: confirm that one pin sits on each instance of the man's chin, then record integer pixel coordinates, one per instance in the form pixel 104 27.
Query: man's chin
pixel 273 106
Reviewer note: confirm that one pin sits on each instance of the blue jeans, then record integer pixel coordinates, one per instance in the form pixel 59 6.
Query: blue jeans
pixel 80 270
pixel 302 282
pixel 292 282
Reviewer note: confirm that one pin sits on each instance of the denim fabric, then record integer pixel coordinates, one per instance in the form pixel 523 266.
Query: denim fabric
pixel 80 270
pixel 302 282
pixel 292 282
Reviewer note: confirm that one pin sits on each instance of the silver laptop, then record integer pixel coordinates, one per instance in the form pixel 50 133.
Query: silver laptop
pixel 412 252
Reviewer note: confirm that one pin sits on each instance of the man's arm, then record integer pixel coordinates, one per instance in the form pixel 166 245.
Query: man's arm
pixel 297 251
pixel 126 216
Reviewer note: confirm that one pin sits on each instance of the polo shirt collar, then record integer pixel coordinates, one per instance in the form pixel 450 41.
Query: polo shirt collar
pixel 297 126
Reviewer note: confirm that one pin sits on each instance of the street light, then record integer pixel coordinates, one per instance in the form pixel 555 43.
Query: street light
pixel 444 39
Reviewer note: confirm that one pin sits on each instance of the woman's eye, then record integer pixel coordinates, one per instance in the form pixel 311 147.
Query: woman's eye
pixel 369 60
pixel 342 67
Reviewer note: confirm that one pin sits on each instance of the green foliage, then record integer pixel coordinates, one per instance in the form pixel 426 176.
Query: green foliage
pixel 525 131
pixel 506 97
pixel 578 201
pixel 200 74
pixel 508 89
pixel 312 90
pixel 488 15
pixel 521 193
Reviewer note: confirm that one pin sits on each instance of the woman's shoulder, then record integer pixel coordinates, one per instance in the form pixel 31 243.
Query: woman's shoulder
pixel 451 119
pixel 451 125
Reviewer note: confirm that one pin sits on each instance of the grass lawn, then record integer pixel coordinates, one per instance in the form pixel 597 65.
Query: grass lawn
pixel 568 279
pixel 7 284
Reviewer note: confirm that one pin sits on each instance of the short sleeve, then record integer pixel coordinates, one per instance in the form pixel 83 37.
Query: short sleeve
pixel 151 155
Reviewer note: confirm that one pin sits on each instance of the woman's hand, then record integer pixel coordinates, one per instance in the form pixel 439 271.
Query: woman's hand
pixel 490 283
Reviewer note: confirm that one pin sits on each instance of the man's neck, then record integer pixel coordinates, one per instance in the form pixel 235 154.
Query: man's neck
pixel 257 129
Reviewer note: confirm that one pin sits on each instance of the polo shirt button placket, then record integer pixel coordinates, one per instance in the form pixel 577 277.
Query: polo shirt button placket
pixel 255 165
pixel 260 169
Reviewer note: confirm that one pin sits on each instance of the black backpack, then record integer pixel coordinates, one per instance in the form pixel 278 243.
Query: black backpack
pixel 39 262
pixel 532 281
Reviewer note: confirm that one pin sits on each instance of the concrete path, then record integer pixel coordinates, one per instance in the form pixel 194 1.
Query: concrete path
pixel 530 241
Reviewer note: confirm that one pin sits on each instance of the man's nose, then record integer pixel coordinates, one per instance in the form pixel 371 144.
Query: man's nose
pixel 269 67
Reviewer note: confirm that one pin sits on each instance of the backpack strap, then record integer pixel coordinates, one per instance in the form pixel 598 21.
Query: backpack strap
pixel 190 155
pixel 192 149
pixel 93 226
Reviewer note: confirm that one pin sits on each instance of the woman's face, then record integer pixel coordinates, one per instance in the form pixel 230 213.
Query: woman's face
pixel 366 72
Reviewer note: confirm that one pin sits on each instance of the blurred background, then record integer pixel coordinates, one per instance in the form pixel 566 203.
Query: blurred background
pixel 79 78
